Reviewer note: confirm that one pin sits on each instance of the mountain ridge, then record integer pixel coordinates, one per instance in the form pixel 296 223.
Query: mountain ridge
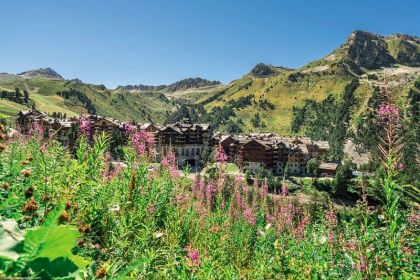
pixel 270 92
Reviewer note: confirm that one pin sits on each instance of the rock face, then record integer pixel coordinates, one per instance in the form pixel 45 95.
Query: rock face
pixel 262 69
pixel 372 51
pixel 406 49
pixel 367 50
pixel 41 72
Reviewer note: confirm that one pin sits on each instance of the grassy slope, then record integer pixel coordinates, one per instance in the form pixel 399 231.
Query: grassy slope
pixel 320 78
pixel 8 108
pixel 121 105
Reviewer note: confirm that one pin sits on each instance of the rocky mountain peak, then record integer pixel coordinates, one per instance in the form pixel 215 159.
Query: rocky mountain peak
pixel 262 69
pixel 49 72
pixel 367 50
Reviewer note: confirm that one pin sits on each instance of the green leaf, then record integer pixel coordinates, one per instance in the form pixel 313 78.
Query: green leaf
pixel 50 242
pixel 54 215
pixel 10 240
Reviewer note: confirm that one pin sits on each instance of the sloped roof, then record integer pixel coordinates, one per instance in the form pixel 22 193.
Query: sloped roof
pixel 328 166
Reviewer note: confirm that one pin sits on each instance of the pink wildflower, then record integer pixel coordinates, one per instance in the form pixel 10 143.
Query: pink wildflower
pixel 249 216
pixel 129 128
pixel 413 218
pixel 389 113
pixel 85 126
pixel 211 189
pixel 331 223
pixel 269 218
pixel 36 130
pixel 220 155
pixel 139 140
pixel 301 226
pixel 264 188
pixel 256 186
pixel 193 257
pixel 169 163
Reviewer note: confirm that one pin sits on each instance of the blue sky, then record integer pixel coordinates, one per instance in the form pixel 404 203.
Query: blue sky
pixel 158 42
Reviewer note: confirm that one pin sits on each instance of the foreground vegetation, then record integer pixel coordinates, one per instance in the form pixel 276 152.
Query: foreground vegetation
pixel 84 216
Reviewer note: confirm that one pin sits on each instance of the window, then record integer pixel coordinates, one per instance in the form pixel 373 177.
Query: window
pixel 198 151
pixel 192 151
pixel 182 153
pixel 187 152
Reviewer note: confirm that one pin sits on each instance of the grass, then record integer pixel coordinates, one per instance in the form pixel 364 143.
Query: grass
pixel 142 107
pixel 9 108
pixel 137 223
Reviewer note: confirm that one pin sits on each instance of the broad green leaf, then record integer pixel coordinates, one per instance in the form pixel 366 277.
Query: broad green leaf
pixel 10 238
pixel 53 216
pixel 50 242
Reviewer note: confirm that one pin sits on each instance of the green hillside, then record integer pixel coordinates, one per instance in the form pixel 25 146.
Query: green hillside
pixel 273 92
pixel 43 92
pixel 369 57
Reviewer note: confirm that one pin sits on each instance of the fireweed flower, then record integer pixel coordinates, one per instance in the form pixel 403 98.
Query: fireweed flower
pixel 249 216
pixel 36 130
pixel 285 217
pixel 414 218
pixel 269 218
pixel 85 126
pixel 389 113
pixel 193 257
pixel 220 155
pixel 331 223
pixel 301 226
pixel 264 188
pixel 211 190
pixel 129 128
pixel 169 163
pixel 140 142
pixel 256 185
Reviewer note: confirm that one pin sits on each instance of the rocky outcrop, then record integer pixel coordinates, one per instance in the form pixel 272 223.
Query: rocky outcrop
pixel 261 70
pixel 47 72
pixel 371 51
pixel 405 49
pixel 367 50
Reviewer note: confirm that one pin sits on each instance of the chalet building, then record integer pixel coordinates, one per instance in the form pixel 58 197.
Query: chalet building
pixel 109 125
pixel 25 119
pixel 266 150
pixel 186 140
pixel 151 131
pixel 254 154
pixel 328 169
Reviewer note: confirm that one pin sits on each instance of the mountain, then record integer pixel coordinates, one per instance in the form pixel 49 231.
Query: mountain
pixel 185 84
pixel 141 87
pixel 72 97
pixel 43 72
pixel 191 83
pixel 276 92
pixel 264 99
pixel 265 70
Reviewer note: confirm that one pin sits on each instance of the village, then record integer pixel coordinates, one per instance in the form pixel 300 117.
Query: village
pixel 191 142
